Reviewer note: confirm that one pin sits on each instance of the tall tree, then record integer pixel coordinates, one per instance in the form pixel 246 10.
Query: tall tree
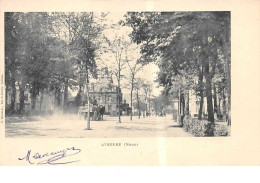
pixel 117 48
pixel 147 88
pixel 11 40
pixel 141 96
pixel 189 43
pixel 134 66
pixel 85 44
pixel 32 54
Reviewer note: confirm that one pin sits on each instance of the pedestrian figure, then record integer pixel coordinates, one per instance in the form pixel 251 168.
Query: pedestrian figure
pixel 95 115
pixel 94 102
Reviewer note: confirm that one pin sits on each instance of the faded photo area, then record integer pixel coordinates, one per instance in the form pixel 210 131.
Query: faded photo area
pixel 111 74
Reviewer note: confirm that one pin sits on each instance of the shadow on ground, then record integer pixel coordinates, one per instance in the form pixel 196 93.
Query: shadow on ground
pixel 174 126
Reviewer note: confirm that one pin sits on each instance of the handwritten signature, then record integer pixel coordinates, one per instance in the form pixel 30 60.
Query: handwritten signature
pixel 51 158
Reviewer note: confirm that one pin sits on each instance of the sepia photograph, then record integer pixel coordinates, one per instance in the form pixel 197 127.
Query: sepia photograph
pixel 140 83
pixel 117 74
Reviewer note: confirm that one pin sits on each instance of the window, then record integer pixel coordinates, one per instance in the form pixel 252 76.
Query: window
pixel 26 97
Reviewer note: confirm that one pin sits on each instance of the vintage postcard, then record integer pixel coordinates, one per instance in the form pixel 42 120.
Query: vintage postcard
pixel 120 83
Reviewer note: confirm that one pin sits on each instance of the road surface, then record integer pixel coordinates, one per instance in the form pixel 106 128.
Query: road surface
pixel 70 126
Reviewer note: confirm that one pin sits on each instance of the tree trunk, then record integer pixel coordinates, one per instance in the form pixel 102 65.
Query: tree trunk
pixel 229 109
pixel 21 109
pixel 65 95
pixel 219 107
pixel 215 102
pixel 105 102
pixel 88 98
pixel 201 89
pixel 59 98
pixel 87 72
pixel 208 76
pixel 13 96
pixel 209 102
pixel 183 106
pixel 229 93
pixel 146 109
pixel 179 107
pixel 149 104
pixel 41 99
pixel 118 93
pixel 187 112
pixel 209 94
pixel 131 98
pixel 33 101
pixel 201 104
pixel 118 104
pixel 224 112
pixel 138 105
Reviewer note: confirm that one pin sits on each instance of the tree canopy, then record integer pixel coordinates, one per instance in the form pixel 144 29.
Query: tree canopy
pixel 190 48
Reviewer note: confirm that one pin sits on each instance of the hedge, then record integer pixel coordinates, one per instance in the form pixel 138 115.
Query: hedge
pixel 199 128
pixel 222 130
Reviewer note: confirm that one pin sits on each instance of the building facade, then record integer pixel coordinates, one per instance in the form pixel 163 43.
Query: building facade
pixel 106 94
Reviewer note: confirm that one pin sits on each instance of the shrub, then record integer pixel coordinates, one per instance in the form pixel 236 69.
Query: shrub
pixel 199 128
pixel 222 130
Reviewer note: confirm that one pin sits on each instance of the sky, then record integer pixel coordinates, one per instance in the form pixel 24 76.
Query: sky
pixel 149 72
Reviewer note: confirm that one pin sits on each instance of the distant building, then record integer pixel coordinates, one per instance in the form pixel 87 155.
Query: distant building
pixel 105 93
pixel 194 106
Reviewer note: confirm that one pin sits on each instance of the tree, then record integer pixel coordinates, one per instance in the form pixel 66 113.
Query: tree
pixel 190 44
pixel 62 70
pixel 140 88
pixel 117 48
pixel 160 103
pixel 64 56
pixel 84 45
pixel 11 39
pixel 147 88
pixel 32 54
pixel 47 48
pixel 134 66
